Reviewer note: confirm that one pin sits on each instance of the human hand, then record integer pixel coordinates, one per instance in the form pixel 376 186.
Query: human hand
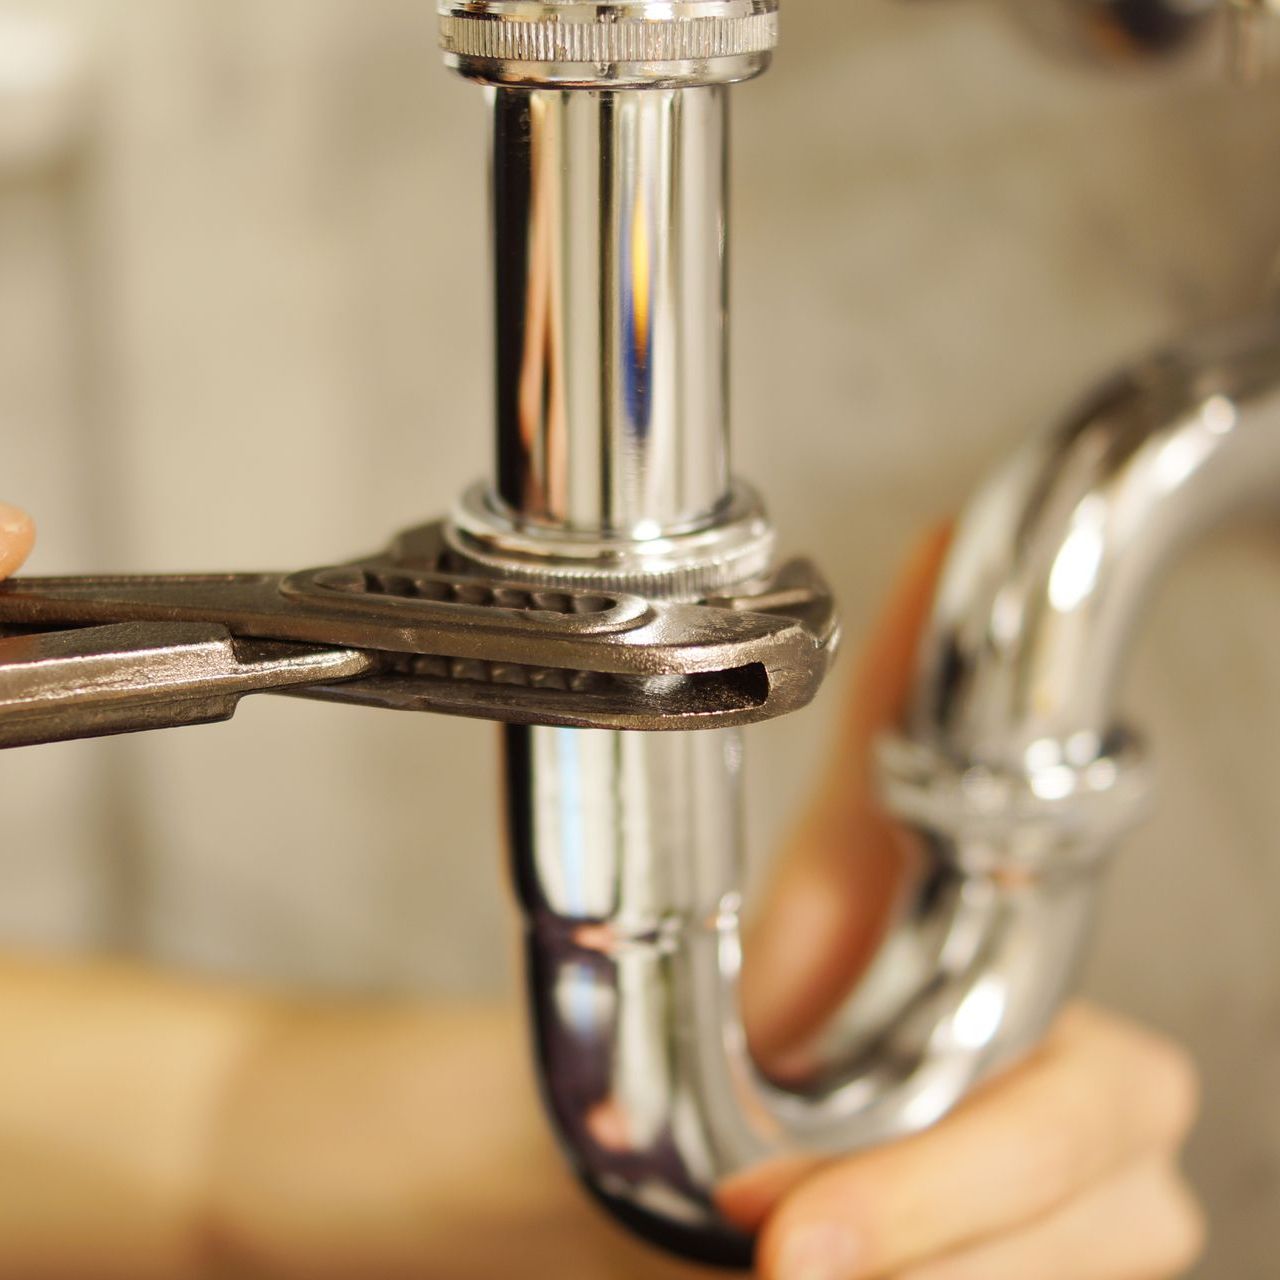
pixel 1063 1169
pixel 17 533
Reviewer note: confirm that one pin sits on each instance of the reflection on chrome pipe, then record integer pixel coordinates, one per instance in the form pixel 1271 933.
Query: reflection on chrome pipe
pixel 1012 774
pixel 1012 766
pixel 1051 567
pixel 626 853
pixel 627 859
pixel 612 389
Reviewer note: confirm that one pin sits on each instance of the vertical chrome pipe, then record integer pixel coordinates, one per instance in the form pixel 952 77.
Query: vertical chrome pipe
pixel 625 851
pixel 609 238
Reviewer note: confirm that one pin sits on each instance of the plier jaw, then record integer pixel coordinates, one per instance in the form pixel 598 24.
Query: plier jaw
pixel 410 629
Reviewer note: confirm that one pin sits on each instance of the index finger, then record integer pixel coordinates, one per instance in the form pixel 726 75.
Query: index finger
pixel 17 533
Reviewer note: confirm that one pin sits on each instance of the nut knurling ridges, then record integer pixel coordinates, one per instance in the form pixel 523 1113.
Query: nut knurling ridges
pixel 630 40
pixel 697 37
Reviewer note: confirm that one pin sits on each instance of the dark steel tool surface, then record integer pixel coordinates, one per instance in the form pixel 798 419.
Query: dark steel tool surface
pixel 412 629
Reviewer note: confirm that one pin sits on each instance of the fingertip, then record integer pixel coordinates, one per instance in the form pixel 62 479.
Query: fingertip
pixel 17 533
pixel 813 1237
pixel 818 1251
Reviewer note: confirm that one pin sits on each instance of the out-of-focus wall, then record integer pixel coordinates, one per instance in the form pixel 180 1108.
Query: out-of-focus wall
pixel 242 324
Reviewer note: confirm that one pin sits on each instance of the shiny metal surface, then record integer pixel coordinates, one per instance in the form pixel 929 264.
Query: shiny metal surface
pixel 131 677
pixel 613 469
pixel 1013 764
pixel 612 391
pixel 1059 812
pixel 627 857
pixel 689 564
pixel 1053 562
pixel 627 850
pixel 609 43
pixel 1013 774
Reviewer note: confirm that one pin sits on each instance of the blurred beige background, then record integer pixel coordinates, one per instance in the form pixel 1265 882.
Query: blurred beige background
pixel 243 305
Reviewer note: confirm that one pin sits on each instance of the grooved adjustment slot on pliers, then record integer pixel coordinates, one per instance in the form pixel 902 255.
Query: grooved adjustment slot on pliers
pixel 402 584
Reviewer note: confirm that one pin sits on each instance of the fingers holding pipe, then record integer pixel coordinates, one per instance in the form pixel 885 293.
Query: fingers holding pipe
pixel 1065 1143
pixel 17 533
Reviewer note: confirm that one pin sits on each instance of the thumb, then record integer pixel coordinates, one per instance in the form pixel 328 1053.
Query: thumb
pixel 17 533
pixel 833 891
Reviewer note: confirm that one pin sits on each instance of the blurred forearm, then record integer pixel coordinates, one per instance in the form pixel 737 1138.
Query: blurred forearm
pixel 157 1127
pixel 111 1088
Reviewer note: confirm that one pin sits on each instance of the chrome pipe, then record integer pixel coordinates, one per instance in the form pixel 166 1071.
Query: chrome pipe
pixel 613 467
pixel 1050 569
pixel 1012 773
pixel 1013 769
pixel 610 238
pixel 610 249
pixel 608 147
pixel 612 386
pixel 627 858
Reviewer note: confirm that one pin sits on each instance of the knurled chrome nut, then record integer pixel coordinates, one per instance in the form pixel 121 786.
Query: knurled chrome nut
pixel 609 44
pixel 692 564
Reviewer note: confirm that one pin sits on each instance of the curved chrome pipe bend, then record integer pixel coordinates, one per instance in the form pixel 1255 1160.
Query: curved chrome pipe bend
pixel 632 933
pixel 1052 564
pixel 1010 770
